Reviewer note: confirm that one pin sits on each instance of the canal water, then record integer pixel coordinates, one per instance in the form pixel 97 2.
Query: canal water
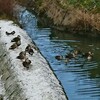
pixel 79 77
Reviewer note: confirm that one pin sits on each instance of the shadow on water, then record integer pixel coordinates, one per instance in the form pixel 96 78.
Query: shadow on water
pixel 79 77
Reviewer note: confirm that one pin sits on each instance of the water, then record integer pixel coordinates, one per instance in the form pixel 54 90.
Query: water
pixel 79 77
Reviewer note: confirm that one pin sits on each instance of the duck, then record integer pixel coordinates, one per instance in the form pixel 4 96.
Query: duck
pixel 29 49
pixel 88 55
pixel 77 52
pixel 18 43
pixel 16 39
pixel 70 55
pixel 26 63
pixel 10 33
pixel 22 55
pixel 37 49
pixel 15 45
pixel 59 57
pixel 66 60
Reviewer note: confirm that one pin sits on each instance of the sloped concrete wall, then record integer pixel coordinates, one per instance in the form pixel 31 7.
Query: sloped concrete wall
pixel 12 88
pixel 36 83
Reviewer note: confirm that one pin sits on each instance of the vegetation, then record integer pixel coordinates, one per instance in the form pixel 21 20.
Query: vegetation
pixel 76 16
pixel 88 5
pixel 26 3
pixel 60 13
pixel 6 10
pixel 6 6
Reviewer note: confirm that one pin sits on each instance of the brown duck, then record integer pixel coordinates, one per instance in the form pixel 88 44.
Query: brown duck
pixel 18 43
pixel 88 55
pixel 26 63
pixel 22 55
pixel 59 57
pixel 15 45
pixel 16 39
pixel 70 56
pixel 29 49
pixel 37 49
pixel 10 33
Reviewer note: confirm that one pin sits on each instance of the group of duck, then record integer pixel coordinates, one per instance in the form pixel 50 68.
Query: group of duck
pixel 22 55
pixel 88 55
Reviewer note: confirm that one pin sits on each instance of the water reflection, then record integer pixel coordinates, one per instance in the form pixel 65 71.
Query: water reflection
pixel 79 77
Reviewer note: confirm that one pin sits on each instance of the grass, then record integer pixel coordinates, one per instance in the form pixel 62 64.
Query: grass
pixel 6 10
pixel 85 12
pixel 6 6
pixel 88 5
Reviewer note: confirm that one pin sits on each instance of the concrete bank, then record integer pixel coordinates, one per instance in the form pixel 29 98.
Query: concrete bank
pixel 36 83
pixel 11 88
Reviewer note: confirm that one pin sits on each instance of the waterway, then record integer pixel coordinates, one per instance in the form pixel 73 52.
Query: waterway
pixel 79 77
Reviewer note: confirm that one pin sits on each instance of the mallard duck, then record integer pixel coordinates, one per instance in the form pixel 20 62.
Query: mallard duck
pixel 13 46
pixel 18 43
pixel 70 55
pixel 11 33
pixel 59 57
pixel 26 63
pixel 29 49
pixel 66 60
pixel 16 39
pixel 88 55
pixel 77 51
pixel 22 55
pixel 37 49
